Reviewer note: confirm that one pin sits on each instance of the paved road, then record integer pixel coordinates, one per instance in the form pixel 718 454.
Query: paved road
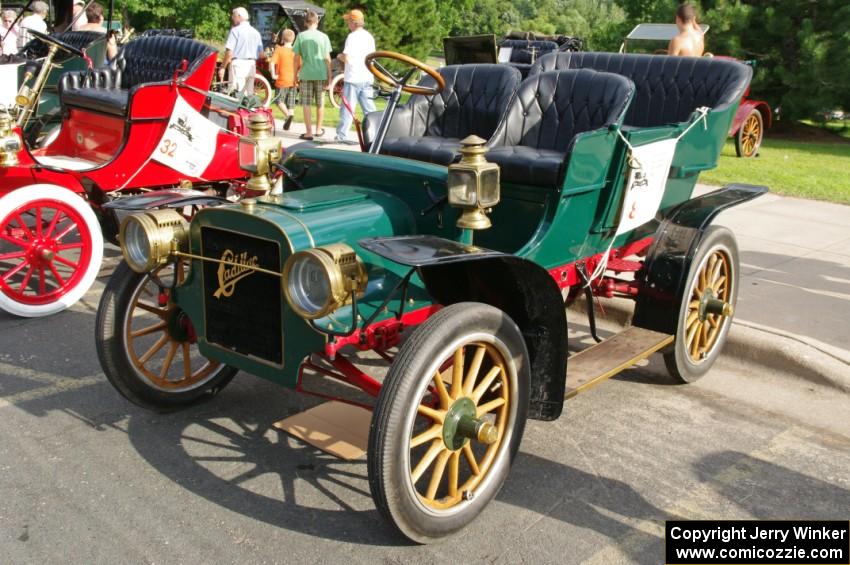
pixel 88 478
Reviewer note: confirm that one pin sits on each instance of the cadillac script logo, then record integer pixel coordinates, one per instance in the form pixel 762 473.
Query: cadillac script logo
pixel 229 274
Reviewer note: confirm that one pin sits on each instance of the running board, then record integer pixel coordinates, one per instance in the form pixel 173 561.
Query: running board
pixel 602 361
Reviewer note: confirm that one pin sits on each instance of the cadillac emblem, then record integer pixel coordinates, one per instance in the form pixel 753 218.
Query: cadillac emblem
pixel 234 268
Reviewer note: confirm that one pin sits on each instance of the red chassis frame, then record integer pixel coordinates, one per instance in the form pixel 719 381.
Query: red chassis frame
pixel 381 336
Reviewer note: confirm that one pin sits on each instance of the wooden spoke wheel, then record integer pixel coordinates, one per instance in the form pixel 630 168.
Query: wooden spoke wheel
pixel 148 346
pixel 749 136
pixel 448 421
pixel 51 248
pixel 263 90
pixel 335 91
pixel 707 306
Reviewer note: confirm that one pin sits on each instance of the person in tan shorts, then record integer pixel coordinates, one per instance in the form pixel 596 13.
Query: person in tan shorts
pixel 689 42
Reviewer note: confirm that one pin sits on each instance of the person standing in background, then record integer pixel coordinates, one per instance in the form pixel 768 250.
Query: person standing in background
pixel 78 17
pixel 94 22
pixel 284 70
pixel 244 46
pixel 8 32
pixel 357 82
pixel 34 21
pixel 314 48
pixel 690 41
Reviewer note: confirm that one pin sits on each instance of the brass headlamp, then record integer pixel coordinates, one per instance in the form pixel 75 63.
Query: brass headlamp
pixel 149 238
pixel 318 281
pixel 473 184
pixel 257 151
pixel 10 141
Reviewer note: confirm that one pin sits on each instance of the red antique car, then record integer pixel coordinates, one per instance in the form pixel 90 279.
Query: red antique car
pixel 146 121
pixel 752 117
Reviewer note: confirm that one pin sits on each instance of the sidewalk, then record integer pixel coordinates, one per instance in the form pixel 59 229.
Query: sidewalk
pixel 795 263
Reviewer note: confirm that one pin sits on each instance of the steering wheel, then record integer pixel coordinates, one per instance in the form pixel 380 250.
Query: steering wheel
pixel 57 42
pixel 388 77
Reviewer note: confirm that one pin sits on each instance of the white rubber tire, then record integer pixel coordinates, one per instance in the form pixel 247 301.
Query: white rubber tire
pixel 22 196
pixel 266 101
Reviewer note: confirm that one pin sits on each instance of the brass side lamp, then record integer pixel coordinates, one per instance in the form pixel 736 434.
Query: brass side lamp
pixel 473 185
pixel 257 151
pixel 10 141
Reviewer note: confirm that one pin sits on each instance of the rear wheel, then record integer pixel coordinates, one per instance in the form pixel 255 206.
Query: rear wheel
pixel 51 248
pixel 750 134
pixel 448 421
pixel 147 345
pixel 707 306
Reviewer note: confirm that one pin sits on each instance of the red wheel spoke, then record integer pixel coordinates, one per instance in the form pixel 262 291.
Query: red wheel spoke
pixel 38 221
pixel 65 261
pixel 14 255
pixel 66 231
pixel 66 246
pixel 53 222
pixel 26 280
pixel 42 287
pixel 14 270
pixel 23 225
pixel 13 240
pixel 53 270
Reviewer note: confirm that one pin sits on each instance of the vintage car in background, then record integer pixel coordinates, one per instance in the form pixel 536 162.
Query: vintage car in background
pixel 147 121
pixel 519 49
pixel 752 117
pixel 484 204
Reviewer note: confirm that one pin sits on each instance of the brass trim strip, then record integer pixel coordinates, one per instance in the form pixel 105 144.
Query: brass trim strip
pixel 298 220
pixel 229 263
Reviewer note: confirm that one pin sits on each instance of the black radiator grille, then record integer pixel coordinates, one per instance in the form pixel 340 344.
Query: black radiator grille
pixel 242 306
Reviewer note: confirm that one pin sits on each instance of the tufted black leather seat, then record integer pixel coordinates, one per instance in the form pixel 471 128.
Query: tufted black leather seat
pixel 143 61
pixel 429 128
pixel 667 89
pixel 36 49
pixel 533 144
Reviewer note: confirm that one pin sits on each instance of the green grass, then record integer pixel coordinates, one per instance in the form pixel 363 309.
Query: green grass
pixel 807 169
pixel 331 118
pixel 839 127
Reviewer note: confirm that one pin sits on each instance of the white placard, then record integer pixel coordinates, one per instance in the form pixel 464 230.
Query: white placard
pixel 505 54
pixel 188 144
pixel 646 183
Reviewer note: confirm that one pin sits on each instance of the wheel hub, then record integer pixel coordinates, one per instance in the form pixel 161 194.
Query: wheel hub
pixel 461 425
pixel 179 326
pixel 710 304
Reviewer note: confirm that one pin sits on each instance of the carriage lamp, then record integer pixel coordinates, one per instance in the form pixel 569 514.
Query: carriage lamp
pixel 10 141
pixel 318 281
pixel 149 238
pixel 257 151
pixel 473 184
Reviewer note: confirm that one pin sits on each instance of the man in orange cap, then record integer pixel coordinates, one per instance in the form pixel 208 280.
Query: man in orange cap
pixel 357 83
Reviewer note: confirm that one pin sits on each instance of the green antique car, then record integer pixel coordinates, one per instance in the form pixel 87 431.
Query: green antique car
pixel 450 249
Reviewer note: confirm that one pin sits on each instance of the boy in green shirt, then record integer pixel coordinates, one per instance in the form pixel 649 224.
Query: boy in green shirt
pixel 314 49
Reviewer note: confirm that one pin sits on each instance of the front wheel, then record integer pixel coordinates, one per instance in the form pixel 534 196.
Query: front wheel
pixel 263 90
pixel 335 90
pixel 51 248
pixel 448 421
pixel 147 345
pixel 707 306
pixel 750 134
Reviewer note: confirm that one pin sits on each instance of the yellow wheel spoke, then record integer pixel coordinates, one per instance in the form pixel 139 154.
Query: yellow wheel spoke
pixel 160 343
pixel 437 474
pixel 470 459
pixel 692 332
pixel 454 471
pixel 441 391
pixel 432 433
pixel 457 373
pixel 435 415
pixel 187 361
pixel 169 357
pixel 148 330
pixel 474 367
pixel 719 285
pixel 426 460
pixel 151 308
pixel 694 342
pixel 485 383
pixel 692 317
pixel 489 407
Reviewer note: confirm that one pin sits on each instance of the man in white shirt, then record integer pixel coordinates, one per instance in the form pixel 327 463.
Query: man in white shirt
pixel 358 80
pixel 34 21
pixel 244 45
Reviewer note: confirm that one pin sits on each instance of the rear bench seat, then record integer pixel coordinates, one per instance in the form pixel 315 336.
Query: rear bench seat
pixel 143 61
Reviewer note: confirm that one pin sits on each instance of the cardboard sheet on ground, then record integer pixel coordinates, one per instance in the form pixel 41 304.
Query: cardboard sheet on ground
pixel 334 427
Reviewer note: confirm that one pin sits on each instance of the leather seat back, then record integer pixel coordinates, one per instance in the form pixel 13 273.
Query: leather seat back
pixel 154 59
pixel 551 108
pixel 36 48
pixel 667 89
pixel 473 102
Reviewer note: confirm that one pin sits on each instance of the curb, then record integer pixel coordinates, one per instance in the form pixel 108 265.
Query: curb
pixel 795 355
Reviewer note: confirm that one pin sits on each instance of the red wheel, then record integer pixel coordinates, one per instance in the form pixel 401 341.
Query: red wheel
pixel 50 250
